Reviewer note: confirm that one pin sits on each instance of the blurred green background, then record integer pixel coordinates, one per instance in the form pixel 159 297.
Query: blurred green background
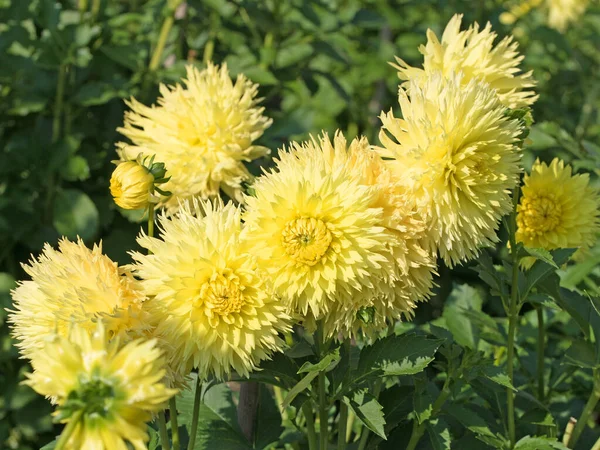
pixel 66 67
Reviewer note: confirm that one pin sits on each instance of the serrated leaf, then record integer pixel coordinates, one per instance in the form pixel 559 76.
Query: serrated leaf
pixel 464 331
pixel 539 443
pixel 328 362
pixel 541 270
pixel 498 376
pixel 439 434
pixel 397 355
pixel 368 410
pixel 541 254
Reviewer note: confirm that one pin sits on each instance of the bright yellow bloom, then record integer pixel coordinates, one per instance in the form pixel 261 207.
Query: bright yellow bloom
pixel 454 151
pixel 203 132
pixel 131 185
pixel 406 277
pixel 473 53
pixel 212 304
pixel 75 285
pixel 110 391
pixel 318 227
pixel 557 209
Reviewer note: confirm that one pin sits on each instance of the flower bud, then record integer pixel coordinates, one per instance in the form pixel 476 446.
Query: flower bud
pixel 131 185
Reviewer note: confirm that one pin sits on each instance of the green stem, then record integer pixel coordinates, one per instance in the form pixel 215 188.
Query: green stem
pixel 68 431
pixel 164 34
pixel 540 352
pixel 162 431
pixel 174 425
pixel 95 8
pixel 195 414
pixel 364 437
pixel 587 411
pixel 513 316
pixel 323 411
pixel 151 220
pixel 343 422
pixel 310 425
pixel 419 428
pixel 59 102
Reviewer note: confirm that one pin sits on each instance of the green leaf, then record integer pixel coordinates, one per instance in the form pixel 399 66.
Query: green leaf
pixel 423 401
pixel 541 254
pixel 498 376
pixel 439 434
pixel 76 169
pixel 7 282
pixel 464 331
pixel 303 384
pixel 397 355
pixel 368 410
pixel 539 443
pixel 50 445
pixel 279 371
pixel 329 361
pixel 268 420
pixel 582 354
pixel 540 270
pixel 75 214
pixel 471 421
pixel 217 423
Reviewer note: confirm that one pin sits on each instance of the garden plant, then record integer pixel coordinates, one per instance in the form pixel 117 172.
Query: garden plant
pixel 300 224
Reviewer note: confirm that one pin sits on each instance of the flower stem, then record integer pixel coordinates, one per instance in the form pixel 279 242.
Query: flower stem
pixel 174 426
pixel 587 411
pixel 323 411
pixel 343 422
pixel 151 220
pixel 419 428
pixel 541 344
pixel 162 431
pixel 195 414
pixel 68 431
pixel 164 34
pixel 513 317
pixel 310 425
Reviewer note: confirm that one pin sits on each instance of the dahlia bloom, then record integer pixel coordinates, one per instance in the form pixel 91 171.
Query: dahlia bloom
pixel 202 132
pixel 557 209
pixel 319 229
pixel 75 284
pixel 562 13
pixel 212 304
pixel 473 53
pixel 108 390
pixel 455 153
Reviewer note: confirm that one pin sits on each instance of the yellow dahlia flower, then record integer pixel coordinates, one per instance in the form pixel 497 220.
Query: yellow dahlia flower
pixel 557 209
pixel 406 277
pixel 454 151
pixel 318 227
pixel 213 305
pixel 131 185
pixel 110 392
pixel 473 53
pixel 203 132
pixel 75 285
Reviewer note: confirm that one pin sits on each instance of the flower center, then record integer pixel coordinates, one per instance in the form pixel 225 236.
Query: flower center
pixel 539 214
pixel 93 396
pixel 306 240
pixel 222 294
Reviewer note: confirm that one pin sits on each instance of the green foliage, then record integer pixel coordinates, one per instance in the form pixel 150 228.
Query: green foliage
pixel 321 64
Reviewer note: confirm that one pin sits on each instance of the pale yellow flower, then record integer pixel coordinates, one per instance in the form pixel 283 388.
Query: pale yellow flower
pixel 75 285
pixel 563 13
pixel 455 153
pixel 203 133
pixel 557 209
pixel 131 185
pixel 407 277
pixel 109 391
pixel 473 53
pixel 324 229
pixel 212 304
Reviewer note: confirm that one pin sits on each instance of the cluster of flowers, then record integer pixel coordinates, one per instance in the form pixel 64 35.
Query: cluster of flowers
pixel 559 13
pixel 338 235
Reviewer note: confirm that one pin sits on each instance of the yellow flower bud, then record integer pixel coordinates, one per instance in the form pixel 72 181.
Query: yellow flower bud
pixel 131 185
